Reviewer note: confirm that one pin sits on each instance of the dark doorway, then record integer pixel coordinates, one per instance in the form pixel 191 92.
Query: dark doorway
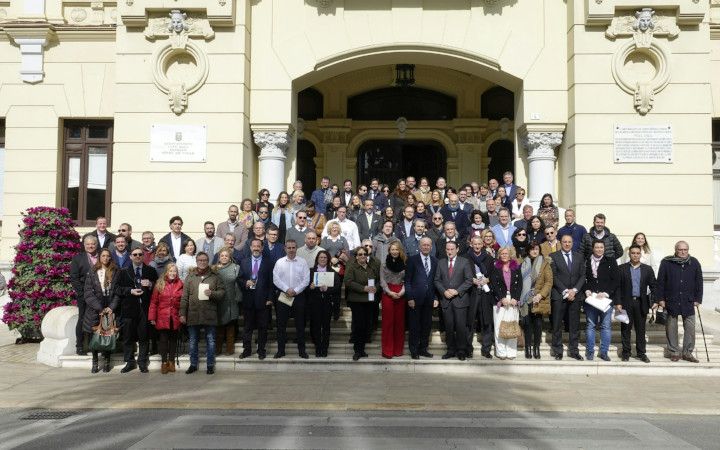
pixel 389 160
pixel 502 159
pixel 305 170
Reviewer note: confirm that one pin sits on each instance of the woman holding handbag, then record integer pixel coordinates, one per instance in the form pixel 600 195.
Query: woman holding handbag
pixel 506 285
pixel 537 281
pixel 100 300
pixel 164 314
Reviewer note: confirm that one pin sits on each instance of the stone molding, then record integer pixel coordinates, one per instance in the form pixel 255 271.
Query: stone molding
pixel 32 41
pixel 644 27
pixel 178 28
pixel 137 13
pixel 687 12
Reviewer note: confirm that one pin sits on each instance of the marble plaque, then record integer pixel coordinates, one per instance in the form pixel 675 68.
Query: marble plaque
pixel 643 143
pixel 178 143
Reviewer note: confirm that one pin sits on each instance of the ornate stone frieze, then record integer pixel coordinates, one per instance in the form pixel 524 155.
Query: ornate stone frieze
pixel 541 145
pixel 641 66
pixel 273 144
pixel 180 67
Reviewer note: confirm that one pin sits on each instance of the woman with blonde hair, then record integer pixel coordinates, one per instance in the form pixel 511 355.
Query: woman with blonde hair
pixel 392 282
pixel 298 202
pixel 164 314
pixel 436 202
pixel 162 259
pixel 100 299
pixel 489 243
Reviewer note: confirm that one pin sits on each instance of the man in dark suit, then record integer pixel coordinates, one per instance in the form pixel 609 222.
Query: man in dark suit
pixel 368 222
pixel 376 195
pixel 135 285
pixel 452 213
pixel 453 280
pixel 176 239
pixel 412 242
pixel 450 234
pixel 422 298
pixel 568 281
pixel 482 301
pixel 255 280
pixel 635 279
pixel 404 227
pixel 347 193
pixel 81 264
pixel 101 233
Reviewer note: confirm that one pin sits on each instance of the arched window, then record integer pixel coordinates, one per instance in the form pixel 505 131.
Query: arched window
pixel 310 104
pixel 496 103
pixel 502 159
pixel 393 102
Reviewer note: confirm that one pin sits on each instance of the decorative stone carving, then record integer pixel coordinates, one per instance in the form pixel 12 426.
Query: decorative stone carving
pixel 541 145
pixel 325 3
pixel 300 126
pixel 401 123
pixel 180 67
pixel 641 66
pixel 273 144
pixel 78 15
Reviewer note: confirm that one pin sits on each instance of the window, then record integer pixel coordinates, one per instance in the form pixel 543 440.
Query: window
pixel 716 171
pixel 310 105
pixel 496 103
pixel 411 103
pixel 388 160
pixel 87 169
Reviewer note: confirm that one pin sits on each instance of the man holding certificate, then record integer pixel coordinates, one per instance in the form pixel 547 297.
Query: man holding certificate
pixel 602 279
pixel 291 276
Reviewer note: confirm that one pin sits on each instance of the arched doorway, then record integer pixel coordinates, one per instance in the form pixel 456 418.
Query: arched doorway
pixel 502 159
pixel 305 170
pixel 389 160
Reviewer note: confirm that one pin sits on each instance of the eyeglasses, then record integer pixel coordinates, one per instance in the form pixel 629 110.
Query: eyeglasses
pixel 137 254
pixel 302 217
pixel 522 234
pixel 519 193
pixel 265 194
pixel 437 218
pixel 550 232
pixel 262 212
pixel 122 230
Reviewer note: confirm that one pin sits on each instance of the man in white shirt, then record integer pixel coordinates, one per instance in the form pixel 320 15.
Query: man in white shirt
pixel 175 239
pixel 309 251
pixel 104 237
pixel 348 228
pixel 291 276
pixel 504 229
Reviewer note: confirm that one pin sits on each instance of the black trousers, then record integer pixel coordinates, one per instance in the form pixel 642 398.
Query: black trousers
pixel 255 319
pixel 472 316
pixel 167 344
pixel 283 312
pixel 532 327
pixel 79 335
pixel 321 310
pixel 361 324
pixel 637 321
pixel 419 321
pixel 135 330
pixel 559 309
pixel 455 328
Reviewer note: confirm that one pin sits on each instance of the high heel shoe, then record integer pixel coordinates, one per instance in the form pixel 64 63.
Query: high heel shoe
pixel 527 352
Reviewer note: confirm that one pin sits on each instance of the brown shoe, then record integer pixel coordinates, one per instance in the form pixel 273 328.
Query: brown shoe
pixel 164 367
pixel 690 358
pixel 674 358
pixel 171 366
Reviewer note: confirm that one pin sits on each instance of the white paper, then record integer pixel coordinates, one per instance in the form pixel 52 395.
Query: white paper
pixel 603 304
pixel 202 287
pixel 621 316
pixel 286 299
pixel 371 283
pixel 326 279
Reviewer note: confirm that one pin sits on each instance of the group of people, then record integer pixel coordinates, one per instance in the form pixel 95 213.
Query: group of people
pixel 489 260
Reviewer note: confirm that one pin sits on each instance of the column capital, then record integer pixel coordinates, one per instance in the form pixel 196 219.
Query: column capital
pixel 273 141
pixel 542 140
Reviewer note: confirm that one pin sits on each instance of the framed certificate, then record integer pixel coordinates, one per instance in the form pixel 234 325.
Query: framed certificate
pixel 324 279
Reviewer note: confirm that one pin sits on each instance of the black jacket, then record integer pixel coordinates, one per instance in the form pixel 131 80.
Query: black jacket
pixel 497 281
pixel 79 268
pixel 608 278
pixel 132 306
pixel 647 280
pixel 96 301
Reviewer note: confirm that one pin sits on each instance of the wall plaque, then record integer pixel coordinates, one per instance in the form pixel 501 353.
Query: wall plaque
pixel 178 143
pixel 643 143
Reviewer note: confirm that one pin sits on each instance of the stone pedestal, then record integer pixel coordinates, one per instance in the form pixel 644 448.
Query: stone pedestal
pixel 58 328
pixel 273 145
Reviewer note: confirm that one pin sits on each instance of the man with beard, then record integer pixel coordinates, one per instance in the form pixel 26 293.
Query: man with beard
pixel 599 232
pixel 209 244
pixel 233 225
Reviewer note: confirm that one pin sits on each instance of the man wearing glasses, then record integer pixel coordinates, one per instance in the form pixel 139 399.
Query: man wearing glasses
pixel 126 231
pixel 518 203
pixel 135 285
pixel 551 244
pixel 436 230
pixel 300 229
pixel 233 225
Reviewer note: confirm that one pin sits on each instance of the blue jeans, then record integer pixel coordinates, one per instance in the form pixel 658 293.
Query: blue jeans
pixel 595 316
pixel 194 331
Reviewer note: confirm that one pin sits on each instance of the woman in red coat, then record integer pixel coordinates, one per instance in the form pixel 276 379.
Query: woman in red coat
pixel 165 315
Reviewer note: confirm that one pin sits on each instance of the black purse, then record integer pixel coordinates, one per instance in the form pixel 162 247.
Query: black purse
pixel 659 317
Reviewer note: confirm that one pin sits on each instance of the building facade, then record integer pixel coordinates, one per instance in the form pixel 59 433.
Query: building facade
pixel 143 109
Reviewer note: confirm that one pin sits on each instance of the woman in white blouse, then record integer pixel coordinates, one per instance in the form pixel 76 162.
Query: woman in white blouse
pixel 186 261
pixel 646 255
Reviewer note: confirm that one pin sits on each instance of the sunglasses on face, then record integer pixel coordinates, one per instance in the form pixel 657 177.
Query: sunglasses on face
pixel 122 230
pixel 137 254
pixel 522 234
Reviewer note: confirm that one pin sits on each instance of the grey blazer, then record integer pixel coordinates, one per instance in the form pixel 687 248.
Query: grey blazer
pixel 461 281
pixel 567 279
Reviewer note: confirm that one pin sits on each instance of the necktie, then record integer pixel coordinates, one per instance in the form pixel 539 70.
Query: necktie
pixel 567 258
pixel 453 214
pixel 255 268
pixel 372 195
pixel 450 268
pixel 138 275
pixel 427 265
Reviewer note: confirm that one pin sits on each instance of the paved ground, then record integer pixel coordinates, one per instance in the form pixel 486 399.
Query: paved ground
pixel 144 429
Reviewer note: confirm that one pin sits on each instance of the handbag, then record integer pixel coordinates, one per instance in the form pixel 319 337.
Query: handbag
pixel 659 317
pixel 509 325
pixel 542 307
pixel 105 334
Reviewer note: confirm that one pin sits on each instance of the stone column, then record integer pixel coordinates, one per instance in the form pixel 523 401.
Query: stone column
pixel 541 163
pixel 271 161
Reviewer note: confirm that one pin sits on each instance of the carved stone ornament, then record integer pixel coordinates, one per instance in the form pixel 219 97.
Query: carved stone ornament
pixel 541 144
pixel 273 144
pixel 180 67
pixel 325 3
pixel 641 67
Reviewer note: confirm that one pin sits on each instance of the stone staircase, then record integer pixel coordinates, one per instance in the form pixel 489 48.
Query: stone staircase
pixel 341 351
